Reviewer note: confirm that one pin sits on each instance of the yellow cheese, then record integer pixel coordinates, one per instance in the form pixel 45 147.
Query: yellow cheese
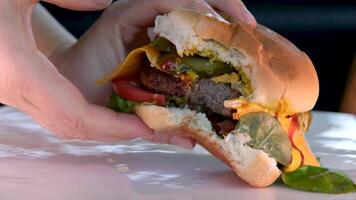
pixel 227 78
pixel 243 107
pixel 285 122
pixel 296 161
pixel 308 157
pixel 132 64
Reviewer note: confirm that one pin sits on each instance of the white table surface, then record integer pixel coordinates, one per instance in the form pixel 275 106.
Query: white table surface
pixel 34 164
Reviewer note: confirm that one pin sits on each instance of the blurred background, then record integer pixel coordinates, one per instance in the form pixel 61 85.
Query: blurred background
pixel 324 29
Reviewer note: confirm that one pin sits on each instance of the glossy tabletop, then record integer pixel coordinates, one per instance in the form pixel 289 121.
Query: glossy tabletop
pixel 34 164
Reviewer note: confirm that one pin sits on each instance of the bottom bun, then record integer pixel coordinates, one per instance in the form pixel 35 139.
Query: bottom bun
pixel 251 165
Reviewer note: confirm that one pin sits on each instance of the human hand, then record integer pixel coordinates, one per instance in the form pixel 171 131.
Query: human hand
pixel 121 28
pixel 31 83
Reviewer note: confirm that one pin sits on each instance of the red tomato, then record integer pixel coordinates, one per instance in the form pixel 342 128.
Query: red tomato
pixel 128 88
pixel 293 126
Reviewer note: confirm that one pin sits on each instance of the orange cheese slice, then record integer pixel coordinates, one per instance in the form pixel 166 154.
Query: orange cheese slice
pixel 243 107
pixel 132 64
pixel 308 157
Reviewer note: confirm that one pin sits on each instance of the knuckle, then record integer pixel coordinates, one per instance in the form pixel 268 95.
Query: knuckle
pixel 103 3
pixel 76 128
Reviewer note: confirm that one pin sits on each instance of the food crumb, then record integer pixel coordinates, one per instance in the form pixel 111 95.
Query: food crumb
pixel 122 168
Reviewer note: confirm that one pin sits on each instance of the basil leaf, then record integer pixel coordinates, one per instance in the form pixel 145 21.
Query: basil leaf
pixel 318 179
pixel 121 105
pixel 267 135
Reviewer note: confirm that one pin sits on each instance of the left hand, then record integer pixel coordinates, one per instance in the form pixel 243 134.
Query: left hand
pixel 121 28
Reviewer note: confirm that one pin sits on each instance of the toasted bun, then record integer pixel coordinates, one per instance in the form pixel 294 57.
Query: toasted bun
pixel 276 68
pixel 253 166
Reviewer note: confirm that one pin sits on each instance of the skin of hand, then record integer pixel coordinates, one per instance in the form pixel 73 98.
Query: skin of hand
pixel 121 28
pixel 58 98
pixel 31 83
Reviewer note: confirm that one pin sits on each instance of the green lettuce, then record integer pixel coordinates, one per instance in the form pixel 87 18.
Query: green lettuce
pixel 177 101
pixel 121 105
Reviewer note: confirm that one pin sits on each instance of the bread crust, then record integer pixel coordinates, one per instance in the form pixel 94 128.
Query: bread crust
pixel 259 171
pixel 278 70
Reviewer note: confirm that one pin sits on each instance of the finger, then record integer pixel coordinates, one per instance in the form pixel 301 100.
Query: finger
pixel 57 105
pixel 81 5
pixel 136 16
pixel 184 142
pixel 234 8
pixel 148 10
pixel 167 138
pixel 106 125
pixel 160 137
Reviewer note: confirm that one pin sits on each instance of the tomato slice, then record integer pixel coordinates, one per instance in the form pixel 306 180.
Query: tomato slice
pixel 293 126
pixel 128 88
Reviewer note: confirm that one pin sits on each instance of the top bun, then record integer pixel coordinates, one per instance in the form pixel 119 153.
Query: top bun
pixel 276 68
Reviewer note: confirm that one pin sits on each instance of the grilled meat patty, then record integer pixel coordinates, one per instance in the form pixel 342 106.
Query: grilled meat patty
pixel 164 83
pixel 203 95
pixel 208 94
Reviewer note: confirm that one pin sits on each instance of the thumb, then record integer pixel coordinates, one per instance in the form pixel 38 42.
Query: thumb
pixel 86 5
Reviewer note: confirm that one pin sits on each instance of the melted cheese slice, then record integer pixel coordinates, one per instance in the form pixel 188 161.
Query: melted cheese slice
pixel 132 64
pixel 301 153
pixel 243 107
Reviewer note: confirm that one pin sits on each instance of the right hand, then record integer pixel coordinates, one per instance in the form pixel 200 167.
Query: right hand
pixel 31 83
pixel 121 28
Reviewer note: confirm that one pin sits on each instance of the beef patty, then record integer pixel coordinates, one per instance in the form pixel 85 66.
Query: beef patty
pixel 163 83
pixel 211 95
pixel 203 95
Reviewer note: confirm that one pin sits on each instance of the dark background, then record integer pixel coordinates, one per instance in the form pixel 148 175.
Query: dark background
pixel 325 30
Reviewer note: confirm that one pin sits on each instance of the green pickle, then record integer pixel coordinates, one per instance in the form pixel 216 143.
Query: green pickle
pixel 206 68
pixel 163 44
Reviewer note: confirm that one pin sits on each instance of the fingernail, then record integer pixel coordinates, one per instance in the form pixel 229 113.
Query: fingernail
pixel 103 3
pixel 248 17
pixel 182 142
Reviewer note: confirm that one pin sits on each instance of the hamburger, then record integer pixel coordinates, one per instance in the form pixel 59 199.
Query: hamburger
pixel 244 93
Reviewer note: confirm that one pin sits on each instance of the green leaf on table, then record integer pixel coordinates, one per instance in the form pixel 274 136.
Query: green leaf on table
pixel 318 179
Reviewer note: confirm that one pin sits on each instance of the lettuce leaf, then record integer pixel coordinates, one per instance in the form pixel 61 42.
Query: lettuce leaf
pixel 121 105
pixel 177 101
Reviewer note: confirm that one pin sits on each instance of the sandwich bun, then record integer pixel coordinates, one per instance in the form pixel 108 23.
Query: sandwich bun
pixel 251 165
pixel 276 68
